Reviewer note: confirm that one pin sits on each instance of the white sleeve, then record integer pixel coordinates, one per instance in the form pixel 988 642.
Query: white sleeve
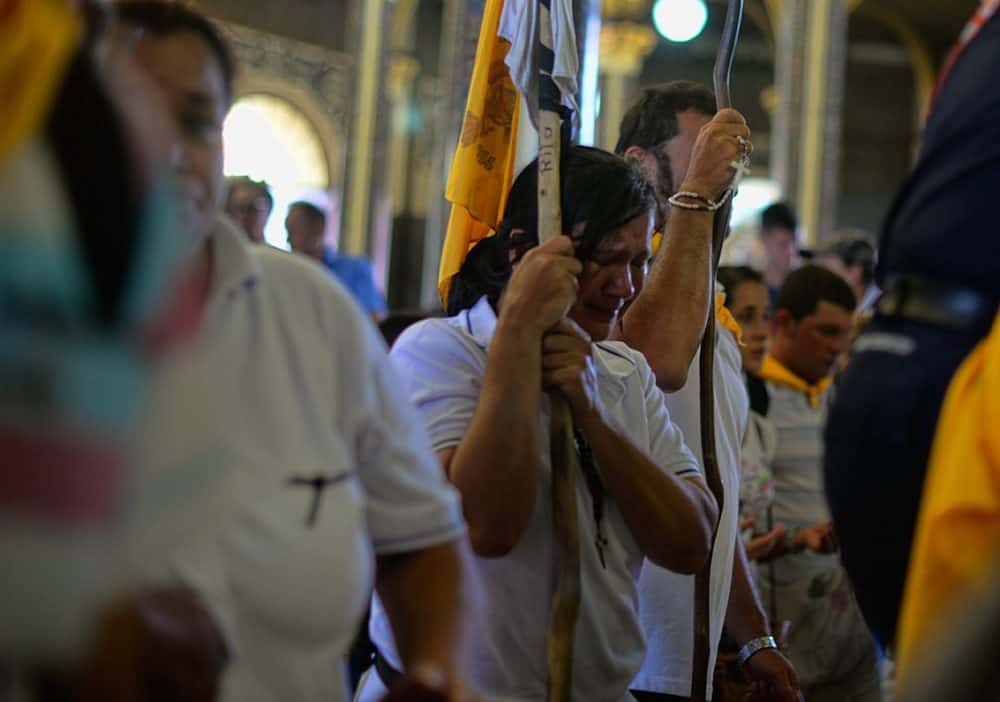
pixel 666 441
pixel 443 376
pixel 409 502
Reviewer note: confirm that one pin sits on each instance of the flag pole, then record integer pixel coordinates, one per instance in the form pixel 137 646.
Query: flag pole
pixel 566 537
pixel 720 229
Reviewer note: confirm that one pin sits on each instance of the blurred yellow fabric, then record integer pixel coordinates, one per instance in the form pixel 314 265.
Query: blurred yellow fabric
pixel 958 529
pixel 37 39
pixel 483 168
pixel 726 319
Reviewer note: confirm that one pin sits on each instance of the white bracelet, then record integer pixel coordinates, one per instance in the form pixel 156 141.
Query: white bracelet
pixel 700 202
pixel 703 203
pixel 753 646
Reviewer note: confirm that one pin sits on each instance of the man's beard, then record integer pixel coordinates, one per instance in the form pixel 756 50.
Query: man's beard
pixel 663 189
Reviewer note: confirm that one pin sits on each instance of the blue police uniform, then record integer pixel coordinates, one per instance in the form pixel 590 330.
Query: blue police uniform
pixel 940 267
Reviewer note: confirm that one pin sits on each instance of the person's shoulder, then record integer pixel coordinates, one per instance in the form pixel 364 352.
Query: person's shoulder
pixel 620 358
pixel 618 349
pixel 441 343
pixel 433 333
pixel 302 289
pixel 297 273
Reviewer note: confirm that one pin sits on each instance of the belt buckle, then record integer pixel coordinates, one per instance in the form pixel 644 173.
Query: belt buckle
pixel 895 298
pixel 891 303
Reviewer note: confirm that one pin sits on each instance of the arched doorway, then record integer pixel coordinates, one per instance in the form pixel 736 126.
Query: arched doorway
pixel 267 138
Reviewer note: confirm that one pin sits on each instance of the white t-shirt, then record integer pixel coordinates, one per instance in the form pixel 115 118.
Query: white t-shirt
pixel 666 598
pixel 287 567
pixel 442 362
pixel 799 494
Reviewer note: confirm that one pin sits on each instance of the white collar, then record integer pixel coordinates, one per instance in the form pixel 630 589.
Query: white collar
pixel 236 270
pixel 480 322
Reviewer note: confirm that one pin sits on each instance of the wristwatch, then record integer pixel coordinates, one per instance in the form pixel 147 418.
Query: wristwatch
pixel 753 646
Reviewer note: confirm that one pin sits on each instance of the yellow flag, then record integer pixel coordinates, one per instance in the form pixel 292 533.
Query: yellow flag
pixel 37 38
pixel 483 169
pixel 957 536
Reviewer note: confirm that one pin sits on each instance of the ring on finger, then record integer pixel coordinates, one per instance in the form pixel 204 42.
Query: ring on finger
pixel 745 145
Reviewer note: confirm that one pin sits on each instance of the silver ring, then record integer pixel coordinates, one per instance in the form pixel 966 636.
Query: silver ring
pixel 745 145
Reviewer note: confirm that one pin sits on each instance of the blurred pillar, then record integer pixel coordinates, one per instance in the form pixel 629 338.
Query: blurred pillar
pixel 587 14
pixel 624 47
pixel 404 256
pixel 366 217
pixel 806 141
pixel 403 70
pixel 460 22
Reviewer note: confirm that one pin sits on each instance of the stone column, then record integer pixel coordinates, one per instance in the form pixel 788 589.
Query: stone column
pixel 403 70
pixel 459 35
pixel 365 208
pixel 624 47
pixel 587 14
pixel 404 176
pixel 806 141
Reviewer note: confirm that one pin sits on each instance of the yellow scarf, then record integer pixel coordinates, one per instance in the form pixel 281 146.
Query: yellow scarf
pixel 774 372
pixel 726 319
pixel 37 39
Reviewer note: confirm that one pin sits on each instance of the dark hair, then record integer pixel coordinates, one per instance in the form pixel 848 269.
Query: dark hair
pixel 598 189
pixel 164 18
pixel 652 120
pixel 96 18
pixel 88 136
pixel 854 252
pixel 732 277
pixel 806 287
pixel 780 215
pixel 234 182
pixel 312 213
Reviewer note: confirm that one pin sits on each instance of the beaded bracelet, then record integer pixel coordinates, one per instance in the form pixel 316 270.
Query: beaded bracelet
pixel 704 204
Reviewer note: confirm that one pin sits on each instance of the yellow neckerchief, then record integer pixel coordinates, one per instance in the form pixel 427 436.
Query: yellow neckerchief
pixel 37 39
pixel 774 372
pixel 724 317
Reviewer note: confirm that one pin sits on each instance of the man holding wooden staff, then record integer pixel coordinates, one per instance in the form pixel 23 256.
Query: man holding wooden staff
pixel 529 318
pixel 688 153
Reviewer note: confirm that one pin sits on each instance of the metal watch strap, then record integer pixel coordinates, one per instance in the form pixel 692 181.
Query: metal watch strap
pixel 753 646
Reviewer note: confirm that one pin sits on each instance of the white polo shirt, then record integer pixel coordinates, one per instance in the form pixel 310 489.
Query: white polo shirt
pixel 442 363
pixel 666 598
pixel 324 462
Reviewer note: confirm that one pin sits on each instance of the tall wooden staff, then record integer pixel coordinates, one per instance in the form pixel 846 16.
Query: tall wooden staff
pixel 702 608
pixel 566 598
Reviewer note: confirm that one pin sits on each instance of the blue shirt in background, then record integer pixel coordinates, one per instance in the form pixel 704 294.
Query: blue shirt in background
pixel 355 273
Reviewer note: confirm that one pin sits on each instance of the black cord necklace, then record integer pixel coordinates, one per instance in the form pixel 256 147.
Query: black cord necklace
pixel 595 486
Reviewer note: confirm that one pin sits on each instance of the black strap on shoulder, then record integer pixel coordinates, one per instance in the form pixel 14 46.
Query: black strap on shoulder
pixel 390 676
pixel 760 401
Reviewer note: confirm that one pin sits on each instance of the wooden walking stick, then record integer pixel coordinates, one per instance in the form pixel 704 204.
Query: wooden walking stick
pixel 566 537
pixel 702 604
